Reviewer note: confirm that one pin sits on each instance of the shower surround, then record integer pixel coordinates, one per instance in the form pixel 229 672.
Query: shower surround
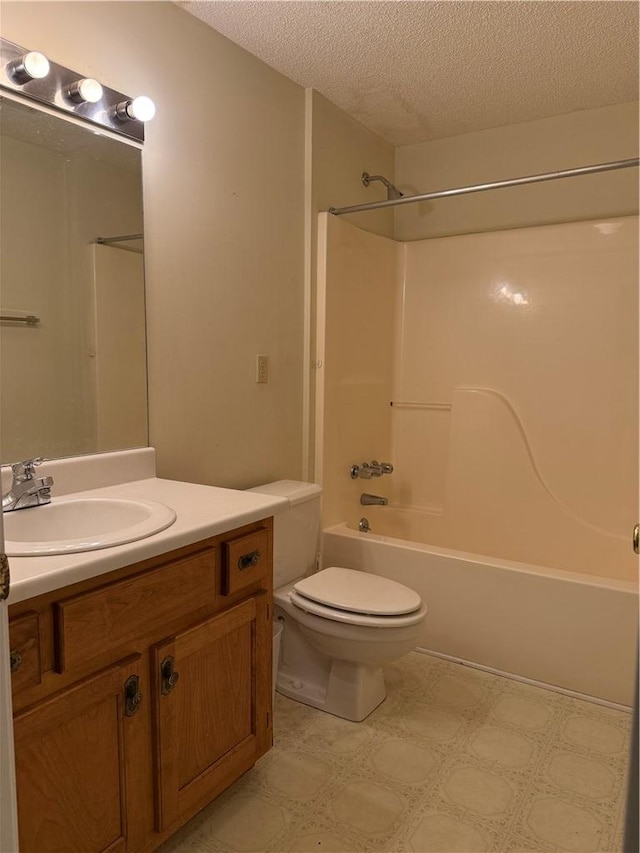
pixel 498 372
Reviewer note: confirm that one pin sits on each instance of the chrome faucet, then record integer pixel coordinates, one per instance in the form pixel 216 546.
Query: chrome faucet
pixel 27 489
pixel 373 500
pixel 370 469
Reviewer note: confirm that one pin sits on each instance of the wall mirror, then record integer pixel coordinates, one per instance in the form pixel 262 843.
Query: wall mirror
pixel 72 336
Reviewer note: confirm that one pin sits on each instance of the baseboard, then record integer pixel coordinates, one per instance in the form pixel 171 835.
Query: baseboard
pixel 574 694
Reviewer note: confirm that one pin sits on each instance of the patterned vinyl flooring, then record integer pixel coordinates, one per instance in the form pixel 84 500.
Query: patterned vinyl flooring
pixel 455 760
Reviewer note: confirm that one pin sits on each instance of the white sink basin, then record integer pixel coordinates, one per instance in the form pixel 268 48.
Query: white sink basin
pixel 82 524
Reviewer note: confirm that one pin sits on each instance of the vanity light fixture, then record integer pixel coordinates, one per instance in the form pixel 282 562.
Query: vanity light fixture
pixel 87 90
pixel 139 109
pixel 29 66
pixel 31 77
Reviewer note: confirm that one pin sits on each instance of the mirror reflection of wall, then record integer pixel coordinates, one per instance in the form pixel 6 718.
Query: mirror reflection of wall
pixel 74 381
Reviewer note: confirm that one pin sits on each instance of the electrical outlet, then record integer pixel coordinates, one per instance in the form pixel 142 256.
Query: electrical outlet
pixel 262 368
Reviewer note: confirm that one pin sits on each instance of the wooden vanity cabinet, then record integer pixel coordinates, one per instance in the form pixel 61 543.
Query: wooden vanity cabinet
pixel 209 730
pixel 75 767
pixel 147 692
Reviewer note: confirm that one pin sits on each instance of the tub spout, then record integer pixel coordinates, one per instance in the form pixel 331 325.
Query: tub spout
pixel 373 500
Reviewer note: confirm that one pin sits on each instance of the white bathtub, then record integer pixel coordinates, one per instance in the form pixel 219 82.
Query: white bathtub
pixel 567 630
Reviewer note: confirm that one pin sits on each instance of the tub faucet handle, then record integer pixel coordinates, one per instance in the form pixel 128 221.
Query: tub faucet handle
pixel 364 471
pixel 370 469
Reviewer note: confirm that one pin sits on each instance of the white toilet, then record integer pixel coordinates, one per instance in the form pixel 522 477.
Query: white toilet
pixel 340 625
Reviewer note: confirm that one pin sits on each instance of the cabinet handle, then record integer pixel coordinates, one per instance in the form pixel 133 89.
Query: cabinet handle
pixel 248 560
pixel 15 659
pixel 132 695
pixel 169 676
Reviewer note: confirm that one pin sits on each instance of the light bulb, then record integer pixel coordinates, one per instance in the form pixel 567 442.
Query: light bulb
pixel 86 90
pixel 141 109
pixel 31 66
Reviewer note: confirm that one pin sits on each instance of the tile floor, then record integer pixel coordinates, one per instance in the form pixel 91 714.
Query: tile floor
pixel 453 760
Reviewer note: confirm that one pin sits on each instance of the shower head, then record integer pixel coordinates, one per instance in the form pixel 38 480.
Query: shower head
pixel 392 191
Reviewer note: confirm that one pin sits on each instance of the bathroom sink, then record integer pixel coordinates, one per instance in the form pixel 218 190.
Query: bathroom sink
pixel 82 524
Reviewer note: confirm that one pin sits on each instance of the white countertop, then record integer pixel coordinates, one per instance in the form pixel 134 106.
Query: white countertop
pixel 202 511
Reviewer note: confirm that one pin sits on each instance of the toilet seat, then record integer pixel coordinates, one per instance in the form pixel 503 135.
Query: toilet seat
pixel 351 618
pixel 359 592
pixel 358 598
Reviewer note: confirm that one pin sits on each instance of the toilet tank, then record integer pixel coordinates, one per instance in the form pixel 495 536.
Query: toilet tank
pixel 296 530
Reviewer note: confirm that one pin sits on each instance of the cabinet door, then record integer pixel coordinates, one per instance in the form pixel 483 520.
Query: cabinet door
pixel 72 770
pixel 212 700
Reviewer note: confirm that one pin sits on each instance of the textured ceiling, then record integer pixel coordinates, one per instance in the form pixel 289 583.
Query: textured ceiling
pixel 415 71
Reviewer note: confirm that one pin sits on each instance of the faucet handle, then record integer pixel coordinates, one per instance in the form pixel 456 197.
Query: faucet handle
pixel 364 471
pixel 25 470
pixel 370 469
pixel 380 468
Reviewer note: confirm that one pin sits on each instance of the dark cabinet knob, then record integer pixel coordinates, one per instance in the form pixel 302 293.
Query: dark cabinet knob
pixel 132 695
pixel 168 674
pixel 248 560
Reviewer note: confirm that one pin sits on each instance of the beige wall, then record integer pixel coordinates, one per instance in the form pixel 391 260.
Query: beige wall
pixel 224 207
pixel 562 142
pixel 342 150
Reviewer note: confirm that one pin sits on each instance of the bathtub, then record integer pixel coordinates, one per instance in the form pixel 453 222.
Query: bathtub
pixel 569 631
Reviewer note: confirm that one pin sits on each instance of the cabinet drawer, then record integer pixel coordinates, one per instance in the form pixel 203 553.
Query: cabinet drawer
pixel 24 646
pixel 245 561
pixel 91 624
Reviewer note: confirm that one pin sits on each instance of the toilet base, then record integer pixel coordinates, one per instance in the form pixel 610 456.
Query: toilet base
pixel 336 666
pixel 351 691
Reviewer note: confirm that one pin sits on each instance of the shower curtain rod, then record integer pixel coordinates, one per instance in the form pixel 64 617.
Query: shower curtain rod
pixel 495 185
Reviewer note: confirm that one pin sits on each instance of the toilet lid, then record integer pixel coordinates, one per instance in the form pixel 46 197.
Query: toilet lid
pixel 360 619
pixel 358 592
